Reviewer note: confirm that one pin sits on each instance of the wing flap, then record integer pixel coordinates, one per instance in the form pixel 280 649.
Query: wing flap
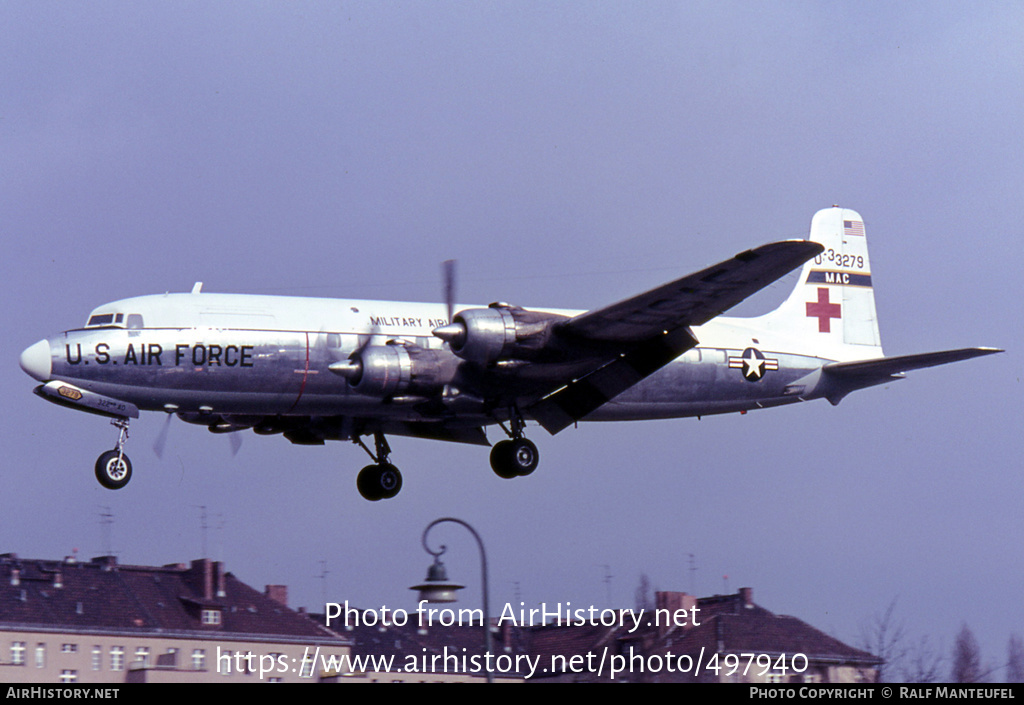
pixel 566 405
pixel 473 435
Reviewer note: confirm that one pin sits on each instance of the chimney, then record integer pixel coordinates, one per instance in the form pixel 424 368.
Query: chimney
pixel 674 610
pixel 202 568
pixel 107 563
pixel 219 569
pixel 747 597
pixel 15 577
pixel 58 580
pixel 277 593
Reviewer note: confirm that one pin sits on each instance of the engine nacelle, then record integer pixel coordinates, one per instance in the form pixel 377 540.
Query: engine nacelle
pixel 387 370
pixel 487 335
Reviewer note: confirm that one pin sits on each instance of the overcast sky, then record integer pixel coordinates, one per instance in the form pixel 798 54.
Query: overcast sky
pixel 568 154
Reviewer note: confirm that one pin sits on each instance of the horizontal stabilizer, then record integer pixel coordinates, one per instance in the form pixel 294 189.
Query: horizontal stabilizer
pixel 888 366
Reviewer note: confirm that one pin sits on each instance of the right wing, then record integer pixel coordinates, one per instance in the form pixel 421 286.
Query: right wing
pixel 891 366
pixel 841 378
pixel 646 332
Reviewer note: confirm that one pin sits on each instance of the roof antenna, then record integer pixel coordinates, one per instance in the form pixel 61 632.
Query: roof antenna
pixel 106 521
pixel 608 582
pixel 202 528
pixel 323 580
pixel 693 573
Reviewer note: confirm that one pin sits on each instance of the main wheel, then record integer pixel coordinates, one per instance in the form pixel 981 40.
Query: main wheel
pixel 113 470
pixel 523 456
pixel 389 480
pixel 376 482
pixel 501 460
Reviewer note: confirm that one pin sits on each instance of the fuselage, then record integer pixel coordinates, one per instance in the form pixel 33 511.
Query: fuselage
pixel 314 369
pixel 271 355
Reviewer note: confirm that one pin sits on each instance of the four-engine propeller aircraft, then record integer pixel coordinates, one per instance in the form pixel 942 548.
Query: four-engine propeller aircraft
pixel 330 369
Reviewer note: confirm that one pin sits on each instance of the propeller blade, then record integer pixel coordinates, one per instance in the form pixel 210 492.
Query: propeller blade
pixel 449 287
pixel 236 443
pixel 161 438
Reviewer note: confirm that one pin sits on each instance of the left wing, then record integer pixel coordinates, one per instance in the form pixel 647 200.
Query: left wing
pixel 646 332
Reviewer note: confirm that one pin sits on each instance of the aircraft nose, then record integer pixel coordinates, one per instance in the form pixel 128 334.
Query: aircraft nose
pixel 35 360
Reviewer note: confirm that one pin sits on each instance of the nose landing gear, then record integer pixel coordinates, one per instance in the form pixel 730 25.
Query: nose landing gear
pixel 113 468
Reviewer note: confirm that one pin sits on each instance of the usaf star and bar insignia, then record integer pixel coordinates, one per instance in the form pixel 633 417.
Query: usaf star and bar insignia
pixel 753 363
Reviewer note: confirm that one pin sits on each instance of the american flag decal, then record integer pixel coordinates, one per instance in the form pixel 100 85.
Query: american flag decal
pixel 853 227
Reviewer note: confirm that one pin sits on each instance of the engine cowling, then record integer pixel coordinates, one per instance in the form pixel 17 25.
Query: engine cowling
pixel 499 332
pixel 387 370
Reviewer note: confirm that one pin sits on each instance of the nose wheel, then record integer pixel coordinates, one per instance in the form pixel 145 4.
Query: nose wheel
pixel 113 468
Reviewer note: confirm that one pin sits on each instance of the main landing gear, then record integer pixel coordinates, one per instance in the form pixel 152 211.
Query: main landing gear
pixel 113 469
pixel 382 480
pixel 517 456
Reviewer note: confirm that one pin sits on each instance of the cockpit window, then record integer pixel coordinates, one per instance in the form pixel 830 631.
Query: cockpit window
pixel 111 319
pixel 134 321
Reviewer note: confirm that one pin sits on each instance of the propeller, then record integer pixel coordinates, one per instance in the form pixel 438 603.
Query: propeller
pixel 161 438
pixel 449 287
pixel 450 332
pixel 352 367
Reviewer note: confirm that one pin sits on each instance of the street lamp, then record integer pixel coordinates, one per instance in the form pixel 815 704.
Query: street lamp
pixel 437 588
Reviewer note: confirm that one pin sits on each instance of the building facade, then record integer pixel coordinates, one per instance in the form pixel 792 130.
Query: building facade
pixel 100 622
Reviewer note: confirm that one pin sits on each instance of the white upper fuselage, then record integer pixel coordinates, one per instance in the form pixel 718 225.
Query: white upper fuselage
pixel 253 354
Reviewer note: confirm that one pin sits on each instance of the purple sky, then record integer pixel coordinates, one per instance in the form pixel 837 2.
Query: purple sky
pixel 568 154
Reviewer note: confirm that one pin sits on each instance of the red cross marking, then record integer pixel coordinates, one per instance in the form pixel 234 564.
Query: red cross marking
pixel 823 311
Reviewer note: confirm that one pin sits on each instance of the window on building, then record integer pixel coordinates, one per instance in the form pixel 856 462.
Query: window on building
pixel 211 616
pixel 40 655
pixel 307 668
pixel 116 658
pixel 97 657
pixel 224 663
pixel 142 655
pixel 198 659
pixel 18 653
pixel 69 648
pixel 69 675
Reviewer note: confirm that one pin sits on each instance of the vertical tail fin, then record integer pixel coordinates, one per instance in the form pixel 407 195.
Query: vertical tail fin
pixel 832 308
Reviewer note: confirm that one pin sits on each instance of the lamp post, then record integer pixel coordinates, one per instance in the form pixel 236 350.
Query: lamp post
pixel 437 588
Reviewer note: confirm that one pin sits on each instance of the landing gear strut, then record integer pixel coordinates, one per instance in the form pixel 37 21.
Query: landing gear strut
pixel 382 480
pixel 113 469
pixel 517 456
